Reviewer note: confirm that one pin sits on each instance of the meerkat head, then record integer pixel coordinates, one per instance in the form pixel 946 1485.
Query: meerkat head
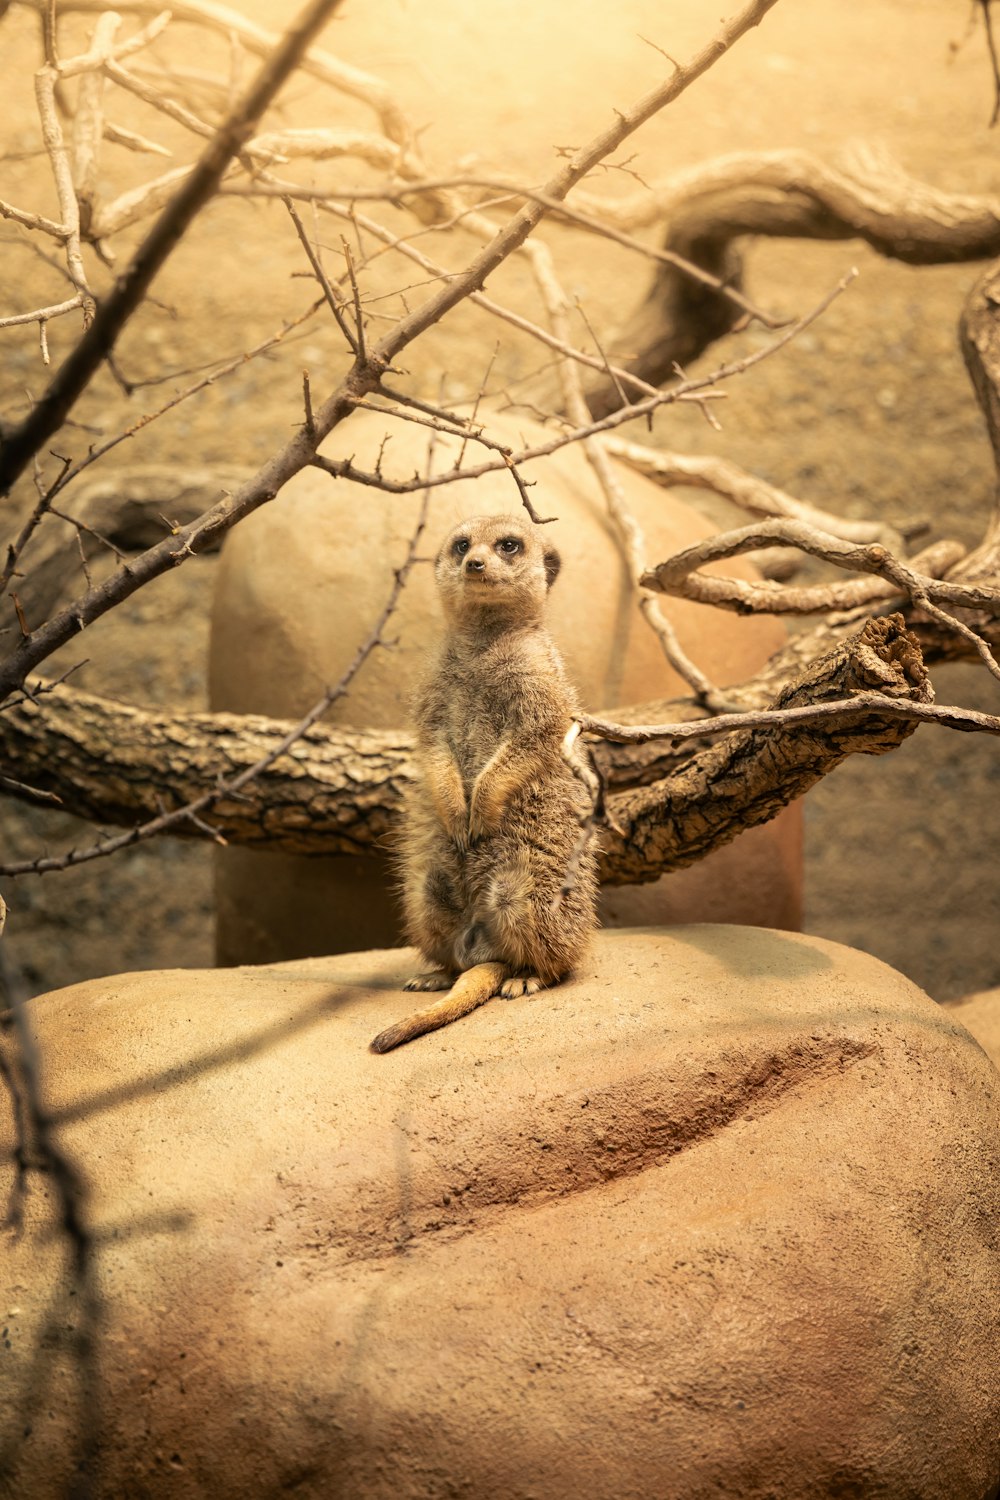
pixel 495 563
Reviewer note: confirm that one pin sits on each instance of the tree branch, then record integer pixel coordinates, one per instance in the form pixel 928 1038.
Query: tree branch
pixel 195 812
pixel 678 576
pixel 365 375
pixel 100 338
pixel 788 194
pixel 748 778
pixel 338 791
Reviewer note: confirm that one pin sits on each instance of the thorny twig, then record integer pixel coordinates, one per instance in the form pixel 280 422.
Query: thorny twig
pixel 322 278
pixel 364 377
pixel 562 212
pixel 129 291
pixel 700 385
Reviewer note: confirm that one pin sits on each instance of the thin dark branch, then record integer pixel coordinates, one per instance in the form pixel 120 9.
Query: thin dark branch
pixel 100 338
pixel 359 322
pixel 321 276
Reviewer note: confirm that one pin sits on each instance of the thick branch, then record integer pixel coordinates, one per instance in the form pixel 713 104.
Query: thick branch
pixel 788 194
pixel 337 791
pixel 748 778
pixel 678 576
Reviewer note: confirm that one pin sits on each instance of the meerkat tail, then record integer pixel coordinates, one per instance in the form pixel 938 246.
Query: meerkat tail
pixel 471 989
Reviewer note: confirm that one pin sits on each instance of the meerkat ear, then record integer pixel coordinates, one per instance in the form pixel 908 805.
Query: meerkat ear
pixel 553 562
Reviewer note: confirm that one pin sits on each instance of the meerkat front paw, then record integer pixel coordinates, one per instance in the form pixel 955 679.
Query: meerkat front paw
pixel 480 825
pixel 437 979
pixel 460 834
pixel 521 984
pixel 448 795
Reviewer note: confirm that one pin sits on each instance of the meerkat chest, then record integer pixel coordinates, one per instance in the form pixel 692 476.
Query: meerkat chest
pixel 487 699
pixel 481 716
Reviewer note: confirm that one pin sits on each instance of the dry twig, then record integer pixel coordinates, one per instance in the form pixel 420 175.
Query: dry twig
pixel 677 576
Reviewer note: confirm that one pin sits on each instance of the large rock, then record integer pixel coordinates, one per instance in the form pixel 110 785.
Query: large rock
pixel 719 1217
pixel 301 584
pixel 980 1014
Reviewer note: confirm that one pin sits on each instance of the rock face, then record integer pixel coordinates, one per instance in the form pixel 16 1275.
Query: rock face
pixel 302 582
pixel 719 1217
pixel 980 1014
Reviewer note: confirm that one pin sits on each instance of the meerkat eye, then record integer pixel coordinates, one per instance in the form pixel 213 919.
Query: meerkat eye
pixel 509 545
pixel 461 547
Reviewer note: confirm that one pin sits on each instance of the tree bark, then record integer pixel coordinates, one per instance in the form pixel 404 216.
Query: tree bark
pixel 749 777
pixel 338 791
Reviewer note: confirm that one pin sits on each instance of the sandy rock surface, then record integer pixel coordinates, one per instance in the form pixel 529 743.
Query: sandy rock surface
pixel 980 1014
pixel 718 1217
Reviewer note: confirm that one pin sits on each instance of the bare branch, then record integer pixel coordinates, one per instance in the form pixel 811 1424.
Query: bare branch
pixel 865 195
pixel 865 694
pixel 751 493
pixel 32 221
pixel 88 122
pixel 45 93
pixel 837 710
pixel 781 193
pixel 100 338
pixel 322 278
pixel 564 212
pixel 230 23
pixel 754 772
pixel 42 315
pixel 364 377
pixel 579 164
pixel 677 576
pixel 629 534
pixel 103 48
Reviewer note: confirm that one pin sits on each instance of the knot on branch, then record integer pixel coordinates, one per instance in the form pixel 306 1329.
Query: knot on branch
pixel 883 657
pixel 887 657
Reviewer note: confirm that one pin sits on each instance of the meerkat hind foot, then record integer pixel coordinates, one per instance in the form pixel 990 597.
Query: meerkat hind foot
pixel 521 984
pixel 437 979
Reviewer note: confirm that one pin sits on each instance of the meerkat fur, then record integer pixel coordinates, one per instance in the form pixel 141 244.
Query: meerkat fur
pixel 497 894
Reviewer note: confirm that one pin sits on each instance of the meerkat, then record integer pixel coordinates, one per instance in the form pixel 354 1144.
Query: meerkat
pixel 499 877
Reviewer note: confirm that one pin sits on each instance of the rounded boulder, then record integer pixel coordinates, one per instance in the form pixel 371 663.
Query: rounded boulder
pixel 719 1216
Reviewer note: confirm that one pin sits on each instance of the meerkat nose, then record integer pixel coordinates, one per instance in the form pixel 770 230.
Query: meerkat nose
pixel 474 565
